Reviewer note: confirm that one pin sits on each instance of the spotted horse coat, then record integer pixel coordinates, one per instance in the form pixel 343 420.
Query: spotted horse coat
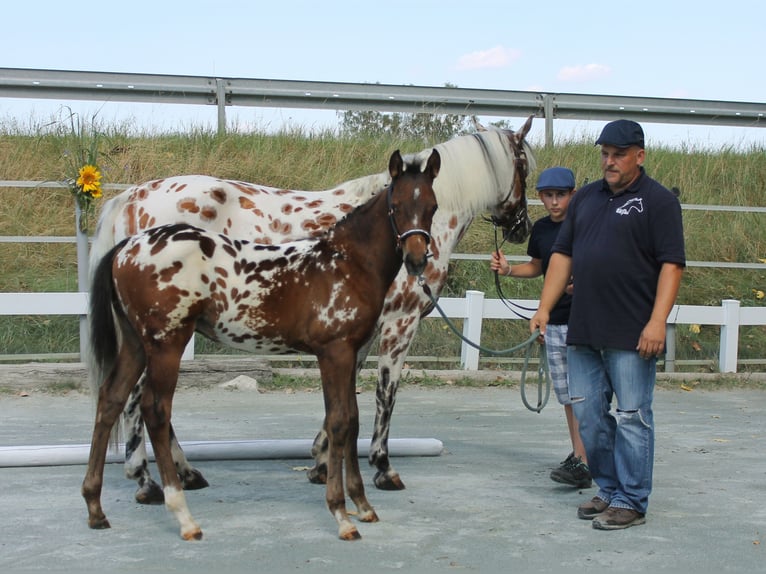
pixel 481 171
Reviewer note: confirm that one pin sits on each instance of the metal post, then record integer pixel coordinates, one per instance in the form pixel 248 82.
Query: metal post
pixel 220 94
pixel 548 111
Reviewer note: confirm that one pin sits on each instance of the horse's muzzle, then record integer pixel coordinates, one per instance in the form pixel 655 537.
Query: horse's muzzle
pixel 414 244
pixel 519 232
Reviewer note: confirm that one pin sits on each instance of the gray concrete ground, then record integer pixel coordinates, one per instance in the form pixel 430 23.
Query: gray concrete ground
pixel 485 504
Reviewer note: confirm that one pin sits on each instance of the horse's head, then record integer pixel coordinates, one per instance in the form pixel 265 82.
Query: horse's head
pixel 511 214
pixel 411 207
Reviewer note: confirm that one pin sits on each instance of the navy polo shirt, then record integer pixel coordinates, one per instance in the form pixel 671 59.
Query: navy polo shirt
pixel 618 244
pixel 541 240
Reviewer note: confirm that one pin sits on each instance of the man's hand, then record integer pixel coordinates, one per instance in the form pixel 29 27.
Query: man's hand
pixel 651 343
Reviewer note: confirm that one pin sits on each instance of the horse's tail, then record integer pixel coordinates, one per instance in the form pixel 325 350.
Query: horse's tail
pixel 103 242
pixel 104 238
pixel 104 341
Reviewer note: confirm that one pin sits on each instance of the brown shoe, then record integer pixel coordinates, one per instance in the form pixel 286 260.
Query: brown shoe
pixel 618 518
pixel 592 508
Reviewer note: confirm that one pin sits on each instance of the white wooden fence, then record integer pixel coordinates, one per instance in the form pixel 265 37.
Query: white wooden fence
pixel 473 309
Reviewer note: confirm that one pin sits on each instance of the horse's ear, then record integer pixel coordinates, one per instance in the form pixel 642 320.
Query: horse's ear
pixel 434 164
pixel 395 165
pixel 477 125
pixel 522 133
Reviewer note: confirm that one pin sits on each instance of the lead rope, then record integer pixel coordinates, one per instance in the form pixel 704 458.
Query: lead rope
pixel 543 374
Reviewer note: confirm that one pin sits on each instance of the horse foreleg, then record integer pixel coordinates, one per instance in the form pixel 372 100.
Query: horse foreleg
pixel 318 473
pixel 156 407
pixel 354 482
pixel 394 345
pixel 336 367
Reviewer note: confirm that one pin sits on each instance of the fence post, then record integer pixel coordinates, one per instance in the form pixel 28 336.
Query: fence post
pixel 727 358
pixel 469 356
pixel 670 348
pixel 82 278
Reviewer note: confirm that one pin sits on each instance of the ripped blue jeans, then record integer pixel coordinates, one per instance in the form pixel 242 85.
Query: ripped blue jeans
pixel 619 441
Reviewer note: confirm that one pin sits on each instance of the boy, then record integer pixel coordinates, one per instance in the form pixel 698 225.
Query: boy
pixel 555 187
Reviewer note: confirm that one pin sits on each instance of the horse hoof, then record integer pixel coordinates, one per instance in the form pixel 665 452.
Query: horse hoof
pixel 193 480
pixel 384 481
pixel 192 535
pixel 99 523
pixel 370 516
pixel 150 493
pixel 349 533
pixel 317 474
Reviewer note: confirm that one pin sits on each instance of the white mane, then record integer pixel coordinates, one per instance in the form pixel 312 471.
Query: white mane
pixel 474 167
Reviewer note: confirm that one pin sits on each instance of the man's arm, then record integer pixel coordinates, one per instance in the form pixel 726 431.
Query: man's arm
pixel 652 339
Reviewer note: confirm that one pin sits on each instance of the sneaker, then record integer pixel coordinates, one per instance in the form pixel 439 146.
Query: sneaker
pixel 573 471
pixel 589 510
pixel 618 518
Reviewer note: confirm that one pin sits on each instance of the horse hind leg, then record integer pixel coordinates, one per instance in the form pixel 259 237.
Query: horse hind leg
pixel 112 397
pixel 190 477
pixel 136 459
pixel 318 473
pixel 156 405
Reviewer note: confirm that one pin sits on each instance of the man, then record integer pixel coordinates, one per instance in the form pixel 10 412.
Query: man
pixel 555 187
pixel 623 242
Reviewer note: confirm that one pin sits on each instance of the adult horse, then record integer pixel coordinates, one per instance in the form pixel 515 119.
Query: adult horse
pixel 319 296
pixel 481 171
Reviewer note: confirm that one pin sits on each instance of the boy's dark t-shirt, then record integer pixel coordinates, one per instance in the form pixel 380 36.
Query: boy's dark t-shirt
pixel 544 232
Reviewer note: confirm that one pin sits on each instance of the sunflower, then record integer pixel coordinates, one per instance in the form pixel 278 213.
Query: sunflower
pixel 89 180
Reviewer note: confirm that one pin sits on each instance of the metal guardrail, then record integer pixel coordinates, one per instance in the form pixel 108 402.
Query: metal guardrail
pixel 223 92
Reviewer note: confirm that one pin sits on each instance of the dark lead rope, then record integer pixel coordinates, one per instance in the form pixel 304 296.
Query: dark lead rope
pixel 507 302
pixel 543 373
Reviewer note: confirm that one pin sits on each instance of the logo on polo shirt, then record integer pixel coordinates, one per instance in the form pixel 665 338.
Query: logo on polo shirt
pixel 634 204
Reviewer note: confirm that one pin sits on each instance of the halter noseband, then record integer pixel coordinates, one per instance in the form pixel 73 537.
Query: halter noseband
pixel 401 237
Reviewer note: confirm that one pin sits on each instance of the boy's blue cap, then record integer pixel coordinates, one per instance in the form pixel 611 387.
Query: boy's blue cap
pixel 556 178
pixel 621 133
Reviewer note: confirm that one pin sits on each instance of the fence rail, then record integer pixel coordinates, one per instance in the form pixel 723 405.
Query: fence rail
pixel 472 310
pixel 223 92
pixel 75 303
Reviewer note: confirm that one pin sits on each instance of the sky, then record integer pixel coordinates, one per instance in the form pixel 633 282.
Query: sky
pixel 651 48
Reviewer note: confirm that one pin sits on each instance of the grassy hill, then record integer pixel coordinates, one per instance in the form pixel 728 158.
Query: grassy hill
pixel 297 160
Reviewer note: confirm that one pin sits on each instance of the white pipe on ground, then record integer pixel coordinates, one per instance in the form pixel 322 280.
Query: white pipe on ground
pixel 69 454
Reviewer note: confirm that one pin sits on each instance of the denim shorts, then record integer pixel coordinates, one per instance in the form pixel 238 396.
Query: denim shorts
pixel 556 349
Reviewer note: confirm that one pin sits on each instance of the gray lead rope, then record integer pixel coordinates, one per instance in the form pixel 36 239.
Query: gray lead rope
pixel 543 374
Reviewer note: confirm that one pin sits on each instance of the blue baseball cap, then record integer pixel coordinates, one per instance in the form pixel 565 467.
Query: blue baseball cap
pixel 621 133
pixel 556 178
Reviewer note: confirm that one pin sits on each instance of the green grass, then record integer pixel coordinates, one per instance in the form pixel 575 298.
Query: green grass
pixel 298 160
